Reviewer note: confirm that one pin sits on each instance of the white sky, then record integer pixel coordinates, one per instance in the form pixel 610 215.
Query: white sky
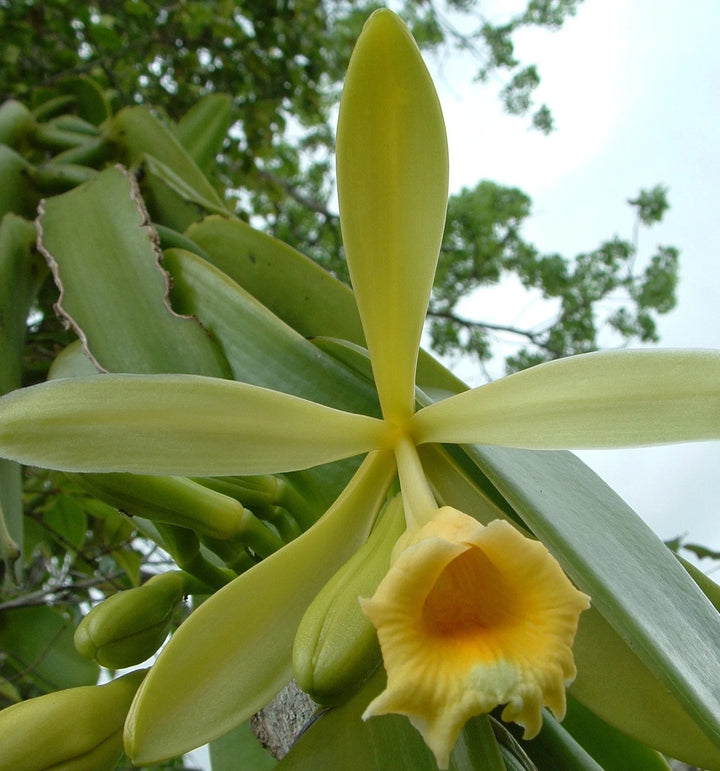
pixel 633 89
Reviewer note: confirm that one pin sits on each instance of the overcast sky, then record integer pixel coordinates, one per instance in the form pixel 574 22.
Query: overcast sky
pixel 634 91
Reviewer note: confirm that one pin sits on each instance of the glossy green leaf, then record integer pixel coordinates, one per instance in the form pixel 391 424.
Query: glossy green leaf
pixel 632 578
pixel 260 348
pixel 110 265
pixel 296 289
pixel 170 200
pixel 67 522
pixel 392 178
pixel 38 642
pixel 177 425
pixel 289 284
pixel 203 128
pixel 612 749
pixel 22 274
pixel 16 194
pixel 606 399
pixel 217 670
pixel 140 133
pixel 339 738
pixel 239 749
pixel 552 748
pixel 618 687
pixel 90 101
pixel 16 122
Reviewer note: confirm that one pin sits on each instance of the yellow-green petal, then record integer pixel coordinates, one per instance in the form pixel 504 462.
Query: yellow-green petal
pixel 233 653
pixel 392 170
pixel 176 425
pixel 609 399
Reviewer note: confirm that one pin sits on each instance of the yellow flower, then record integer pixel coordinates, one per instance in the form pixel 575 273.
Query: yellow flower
pixel 470 617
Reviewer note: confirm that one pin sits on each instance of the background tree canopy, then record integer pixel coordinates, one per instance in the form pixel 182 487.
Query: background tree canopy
pixel 283 64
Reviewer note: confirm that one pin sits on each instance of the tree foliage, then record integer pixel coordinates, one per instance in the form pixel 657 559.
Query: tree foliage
pixel 596 292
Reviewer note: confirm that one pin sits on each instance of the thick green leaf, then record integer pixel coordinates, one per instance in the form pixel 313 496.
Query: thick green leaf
pixel 292 286
pixel 233 653
pixel 177 425
pixel 259 347
pixel 67 522
pixel 203 128
pixel 90 101
pixel 16 122
pixel 296 289
pixel 339 738
pixel 16 193
pixel 613 750
pixel 108 267
pixel 633 579
pixel 38 642
pixel 170 200
pixel 618 687
pixel 240 749
pixel 140 133
pixel 21 273
pixel 553 748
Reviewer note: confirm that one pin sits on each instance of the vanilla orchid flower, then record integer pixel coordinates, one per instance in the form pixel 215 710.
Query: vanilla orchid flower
pixel 392 169
pixel 472 616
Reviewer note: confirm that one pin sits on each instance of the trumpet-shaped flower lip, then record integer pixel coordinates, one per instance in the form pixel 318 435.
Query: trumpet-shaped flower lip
pixel 470 617
pixel 392 172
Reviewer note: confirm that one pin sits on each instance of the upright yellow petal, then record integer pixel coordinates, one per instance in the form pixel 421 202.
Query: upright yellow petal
pixel 470 617
pixel 392 171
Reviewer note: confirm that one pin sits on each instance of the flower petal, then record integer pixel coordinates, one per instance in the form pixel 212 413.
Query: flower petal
pixel 470 617
pixel 392 171
pixel 608 399
pixel 176 424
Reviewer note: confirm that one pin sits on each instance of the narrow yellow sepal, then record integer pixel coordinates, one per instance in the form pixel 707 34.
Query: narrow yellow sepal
pixel 176 425
pixel 597 400
pixel 392 170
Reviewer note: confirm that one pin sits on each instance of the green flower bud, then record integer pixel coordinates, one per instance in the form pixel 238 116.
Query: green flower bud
pixel 78 729
pixel 336 647
pixel 128 627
